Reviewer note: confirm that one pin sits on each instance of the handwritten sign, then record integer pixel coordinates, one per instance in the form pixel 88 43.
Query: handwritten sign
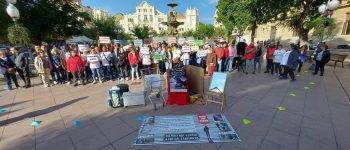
pixel 172 40
pixel 202 53
pixel 182 41
pixel 195 48
pixel 138 43
pixel 83 47
pixel 104 40
pixel 144 50
pixel 191 42
pixel 199 42
pixel 148 41
pixel 157 57
pixel 186 49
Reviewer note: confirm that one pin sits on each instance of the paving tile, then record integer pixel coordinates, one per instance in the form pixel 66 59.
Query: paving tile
pixel 92 142
pixel 282 138
pixel 58 143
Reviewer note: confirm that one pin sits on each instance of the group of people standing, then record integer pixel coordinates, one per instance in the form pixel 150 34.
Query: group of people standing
pixel 109 62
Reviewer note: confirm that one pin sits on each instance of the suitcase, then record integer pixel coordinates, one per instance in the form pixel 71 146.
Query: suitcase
pixel 133 99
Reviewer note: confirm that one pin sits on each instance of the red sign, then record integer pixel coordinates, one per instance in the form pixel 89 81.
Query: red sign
pixel 203 119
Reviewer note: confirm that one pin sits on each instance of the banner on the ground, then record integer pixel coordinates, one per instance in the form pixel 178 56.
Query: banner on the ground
pixel 186 49
pixel 138 43
pixel 144 50
pixel 83 47
pixel 185 129
pixel 104 40
pixel 194 48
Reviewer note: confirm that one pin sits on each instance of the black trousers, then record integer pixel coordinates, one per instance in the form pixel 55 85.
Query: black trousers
pixel 59 75
pixel 300 63
pixel 269 66
pixel 24 74
pixel 278 68
pixel 79 76
pixel 319 66
pixel 11 76
pixel 237 63
pixel 288 71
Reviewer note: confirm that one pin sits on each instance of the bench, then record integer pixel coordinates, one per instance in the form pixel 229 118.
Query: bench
pixel 338 58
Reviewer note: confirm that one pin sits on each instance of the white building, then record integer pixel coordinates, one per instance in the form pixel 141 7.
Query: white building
pixel 147 15
pixel 99 14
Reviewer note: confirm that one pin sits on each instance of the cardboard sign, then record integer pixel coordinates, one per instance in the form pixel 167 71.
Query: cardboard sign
pixel 144 50
pixel 83 47
pixel 202 53
pixel 195 48
pixel 172 40
pixel 138 43
pixel 186 49
pixel 121 42
pixel 199 42
pixel 104 40
pixel 191 42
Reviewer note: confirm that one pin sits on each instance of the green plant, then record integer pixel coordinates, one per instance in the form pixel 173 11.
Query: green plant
pixel 18 34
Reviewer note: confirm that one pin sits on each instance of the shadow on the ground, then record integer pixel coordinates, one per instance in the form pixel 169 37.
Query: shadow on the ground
pixel 39 112
pixel 13 104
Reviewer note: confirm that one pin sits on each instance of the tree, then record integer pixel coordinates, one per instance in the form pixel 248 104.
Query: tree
pixel 190 33
pixel 5 21
pixel 49 19
pixel 205 31
pixel 141 32
pixel 300 15
pixel 18 34
pixel 222 32
pixel 243 15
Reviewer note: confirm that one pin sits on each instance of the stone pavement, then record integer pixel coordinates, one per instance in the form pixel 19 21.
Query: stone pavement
pixel 315 119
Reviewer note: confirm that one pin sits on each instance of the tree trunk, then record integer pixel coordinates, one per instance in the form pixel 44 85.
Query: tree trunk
pixel 252 36
pixel 303 35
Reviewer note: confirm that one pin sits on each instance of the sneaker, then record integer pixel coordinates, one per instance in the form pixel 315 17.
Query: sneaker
pixel 127 79
pixel 55 82
pixel 68 82
pixel 100 81
pixel 79 81
pixel 45 85
pixel 94 82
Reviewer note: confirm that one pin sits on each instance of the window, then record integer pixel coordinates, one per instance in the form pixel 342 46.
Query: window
pixel 145 18
pixel 161 20
pixel 139 10
pixel 151 18
pixel 144 10
pixel 346 28
pixel 150 10
pixel 139 18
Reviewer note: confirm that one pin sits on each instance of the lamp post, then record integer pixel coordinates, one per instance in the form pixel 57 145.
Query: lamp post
pixel 326 11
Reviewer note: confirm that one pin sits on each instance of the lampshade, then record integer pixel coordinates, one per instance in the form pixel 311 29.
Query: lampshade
pixel 333 4
pixel 12 11
pixel 11 1
pixel 322 8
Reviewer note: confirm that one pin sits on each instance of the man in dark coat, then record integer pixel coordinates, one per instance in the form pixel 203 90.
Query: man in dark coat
pixel 21 60
pixel 292 63
pixel 321 58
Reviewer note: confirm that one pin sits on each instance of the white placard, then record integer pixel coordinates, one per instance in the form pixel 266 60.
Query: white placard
pixel 186 49
pixel 182 41
pixel 104 40
pixel 202 53
pixel 191 42
pixel 144 50
pixel 194 48
pixel 83 47
pixel 138 43
pixel 172 40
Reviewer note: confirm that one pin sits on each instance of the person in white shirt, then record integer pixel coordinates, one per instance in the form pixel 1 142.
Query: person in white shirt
pixel 94 61
pixel 106 58
pixel 278 55
pixel 284 62
pixel 146 61
pixel 186 59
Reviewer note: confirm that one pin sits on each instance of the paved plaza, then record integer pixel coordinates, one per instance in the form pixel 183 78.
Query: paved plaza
pixel 314 119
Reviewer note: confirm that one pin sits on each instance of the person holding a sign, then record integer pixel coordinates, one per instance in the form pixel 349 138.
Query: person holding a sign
pixel 134 61
pixel 145 55
pixel 107 63
pixel 94 61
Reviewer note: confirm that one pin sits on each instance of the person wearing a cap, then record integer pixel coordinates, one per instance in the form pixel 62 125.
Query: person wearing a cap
pixel 322 58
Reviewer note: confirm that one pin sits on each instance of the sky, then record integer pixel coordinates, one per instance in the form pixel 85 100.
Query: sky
pixel 206 7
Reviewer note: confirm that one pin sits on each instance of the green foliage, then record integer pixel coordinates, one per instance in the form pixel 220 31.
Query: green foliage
pixel 5 21
pixel 222 32
pixel 324 26
pixel 49 19
pixel 141 32
pixel 18 34
pixel 205 31
pixel 190 33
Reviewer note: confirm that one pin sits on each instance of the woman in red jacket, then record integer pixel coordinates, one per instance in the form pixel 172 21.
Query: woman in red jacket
pixel 134 61
pixel 76 66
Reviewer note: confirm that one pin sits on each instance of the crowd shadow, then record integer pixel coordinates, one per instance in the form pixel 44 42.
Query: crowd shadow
pixel 39 112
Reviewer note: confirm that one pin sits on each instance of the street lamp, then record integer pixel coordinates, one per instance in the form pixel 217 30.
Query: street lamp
pixel 13 12
pixel 326 10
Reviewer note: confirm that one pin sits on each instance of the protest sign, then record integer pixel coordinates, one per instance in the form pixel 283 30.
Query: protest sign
pixel 83 47
pixel 157 57
pixel 182 41
pixel 172 40
pixel 191 42
pixel 138 43
pixel 148 41
pixel 199 42
pixel 195 48
pixel 104 40
pixel 186 49
pixel 202 53
pixel 144 50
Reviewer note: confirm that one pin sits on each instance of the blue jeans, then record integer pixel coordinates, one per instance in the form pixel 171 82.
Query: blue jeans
pixel 248 63
pixel 229 64
pixel 95 73
pixel 219 66
pixel 107 70
pixel 186 62
pixel 257 61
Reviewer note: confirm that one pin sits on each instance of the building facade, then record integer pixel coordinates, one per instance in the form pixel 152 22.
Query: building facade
pixel 148 15
pixel 99 14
